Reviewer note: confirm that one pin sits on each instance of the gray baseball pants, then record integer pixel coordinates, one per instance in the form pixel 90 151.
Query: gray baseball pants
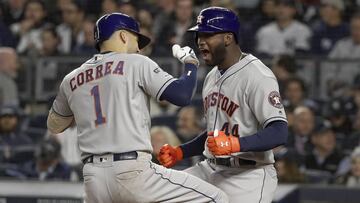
pixel 140 180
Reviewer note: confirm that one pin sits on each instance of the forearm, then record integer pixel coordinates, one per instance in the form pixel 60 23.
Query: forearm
pixel 273 135
pixel 195 146
pixel 56 123
pixel 180 91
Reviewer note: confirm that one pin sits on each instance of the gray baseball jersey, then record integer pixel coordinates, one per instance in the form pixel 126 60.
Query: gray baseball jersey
pixel 109 98
pixel 242 101
pixel 93 93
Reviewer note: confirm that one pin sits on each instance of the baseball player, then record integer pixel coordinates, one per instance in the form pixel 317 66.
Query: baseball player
pixel 244 114
pixel 108 96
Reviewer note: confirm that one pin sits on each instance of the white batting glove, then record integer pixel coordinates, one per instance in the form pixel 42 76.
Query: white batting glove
pixel 185 54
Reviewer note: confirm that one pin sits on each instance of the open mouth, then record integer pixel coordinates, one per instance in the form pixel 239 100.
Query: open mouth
pixel 205 53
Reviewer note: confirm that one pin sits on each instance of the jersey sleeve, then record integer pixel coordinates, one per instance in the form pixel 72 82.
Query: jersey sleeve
pixel 265 101
pixel 61 105
pixel 153 79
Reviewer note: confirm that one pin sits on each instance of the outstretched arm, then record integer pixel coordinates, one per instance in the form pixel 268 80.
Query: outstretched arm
pixel 180 91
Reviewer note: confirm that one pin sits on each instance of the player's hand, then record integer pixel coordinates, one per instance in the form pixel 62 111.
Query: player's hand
pixel 169 155
pixel 185 54
pixel 221 144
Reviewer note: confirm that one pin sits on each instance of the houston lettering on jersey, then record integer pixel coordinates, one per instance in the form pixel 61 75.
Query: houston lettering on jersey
pixel 222 102
pixel 96 72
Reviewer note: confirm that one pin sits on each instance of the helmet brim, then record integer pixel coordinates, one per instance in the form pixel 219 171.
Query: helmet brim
pixel 143 40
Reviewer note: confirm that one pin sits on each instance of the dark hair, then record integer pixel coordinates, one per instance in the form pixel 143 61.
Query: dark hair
pixel 286 61
pixel 299 81
pixel 50 28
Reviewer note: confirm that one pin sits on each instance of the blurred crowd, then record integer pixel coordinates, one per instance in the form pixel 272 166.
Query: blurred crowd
pixel 324 134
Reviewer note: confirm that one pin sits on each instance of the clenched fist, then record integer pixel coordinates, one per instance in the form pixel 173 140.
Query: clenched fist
pixel 219 143
pixel 169 155
pixel 185 54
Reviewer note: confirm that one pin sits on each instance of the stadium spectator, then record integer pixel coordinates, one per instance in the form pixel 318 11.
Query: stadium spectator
pixel 330 29
pixel 47 164
pixel 145 18
pixel 352 178
pixel 164 10
pixel 284 68
pixel 13 11
pixel 285 35
pixel 50 41
pixel 304 124
pixel 325 156
pixel 60 6
pixel 109 6
pixel 295 94
pixel 28 30
pixel 128 8
pixel 14 144
pixel 161 135
pixel 337 114
pixel 70 30
pixel 174 31
pixel 288 168
pixel 8 72
pixel 265 14
pixel 349 48
pixel 87 47
pixel 189 123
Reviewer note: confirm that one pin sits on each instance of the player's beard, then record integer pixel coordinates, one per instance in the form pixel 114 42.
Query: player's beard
pixel 218 55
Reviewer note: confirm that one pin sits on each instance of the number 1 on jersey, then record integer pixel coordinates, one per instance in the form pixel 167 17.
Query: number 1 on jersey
pixel 100 119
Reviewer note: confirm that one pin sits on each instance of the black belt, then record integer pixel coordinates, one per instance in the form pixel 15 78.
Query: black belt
pixel 116 157
pixel 232 162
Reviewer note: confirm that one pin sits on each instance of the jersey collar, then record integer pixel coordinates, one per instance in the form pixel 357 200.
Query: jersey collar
pixel 232 69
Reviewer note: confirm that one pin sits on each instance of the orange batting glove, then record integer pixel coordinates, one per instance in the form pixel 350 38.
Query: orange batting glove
pixel 169 155
pixel 222 144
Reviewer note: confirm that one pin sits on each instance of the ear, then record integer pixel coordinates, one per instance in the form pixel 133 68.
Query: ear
pixel 228 38
pixel 123 36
